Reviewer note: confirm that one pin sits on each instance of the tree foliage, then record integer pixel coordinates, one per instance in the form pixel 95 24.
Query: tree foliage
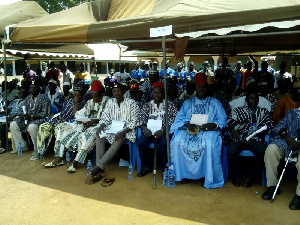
pixel 52 6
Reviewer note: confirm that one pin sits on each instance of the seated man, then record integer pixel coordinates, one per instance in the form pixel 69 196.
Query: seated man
pixel 85 140
pixel 240 123
pixel 14 109
pixel 67 113
pixel 286 131
pixel 155 109
pixel 67 133
pixel 196 152
pixel 117 109
pixel 287 103
pixel 37 107
pixel 56 97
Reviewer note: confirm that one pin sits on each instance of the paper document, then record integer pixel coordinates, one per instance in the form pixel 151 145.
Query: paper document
pixel 154 125
pixel 116 126
pixel 256 132
pixel 56 115
pixel 199 119
pixel 83 119
pixel 24 111
pixel 2 119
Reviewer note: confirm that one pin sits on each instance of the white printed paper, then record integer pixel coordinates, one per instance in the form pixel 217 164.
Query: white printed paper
pixel 83 119
pixel 199 119
pixel 154 125
pixel 24 111
pixel 256 132
pixel 56 115
pixel 116 126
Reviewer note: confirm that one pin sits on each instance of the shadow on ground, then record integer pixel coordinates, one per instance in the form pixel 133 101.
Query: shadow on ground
pixel 190 203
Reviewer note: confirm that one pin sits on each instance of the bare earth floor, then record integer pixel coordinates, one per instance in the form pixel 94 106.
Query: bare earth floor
pixel 32 194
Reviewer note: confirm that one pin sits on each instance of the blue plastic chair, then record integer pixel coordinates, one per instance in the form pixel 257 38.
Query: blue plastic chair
pixel 248 153
pixel 54 109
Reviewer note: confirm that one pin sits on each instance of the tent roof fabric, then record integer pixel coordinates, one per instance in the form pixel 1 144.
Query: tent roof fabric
pixel 102 20
pixel 17 12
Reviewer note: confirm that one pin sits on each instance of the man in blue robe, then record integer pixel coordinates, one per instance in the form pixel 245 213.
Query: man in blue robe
pixel 196 152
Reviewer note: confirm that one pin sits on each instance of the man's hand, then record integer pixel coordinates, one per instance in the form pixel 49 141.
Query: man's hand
pixel 236 135
pixel 158 134
pixel 293 144
pixel 27 117
pixel 209 126
pixel 147 132
pixel 191 127
pixel 119 135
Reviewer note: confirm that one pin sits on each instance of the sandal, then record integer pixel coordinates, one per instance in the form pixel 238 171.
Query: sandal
pixel 107 182
pixel 51 165
pixel 94 179
pixel 71 169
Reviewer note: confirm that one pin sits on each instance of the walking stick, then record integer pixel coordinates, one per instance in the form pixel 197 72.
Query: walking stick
pixel 154 163
pixel 289 159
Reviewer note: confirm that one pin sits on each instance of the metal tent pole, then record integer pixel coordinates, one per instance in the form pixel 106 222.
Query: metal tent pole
pixel 5 78
pixel 166 98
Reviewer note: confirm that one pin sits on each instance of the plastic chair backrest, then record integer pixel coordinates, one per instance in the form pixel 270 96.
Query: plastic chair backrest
pixel 54 109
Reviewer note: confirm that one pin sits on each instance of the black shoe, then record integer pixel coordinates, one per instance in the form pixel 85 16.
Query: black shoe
pixel 269 193
pixel 185 181
pixel 295 203
pixel 248 183
pixel 236 182
pixel 144 171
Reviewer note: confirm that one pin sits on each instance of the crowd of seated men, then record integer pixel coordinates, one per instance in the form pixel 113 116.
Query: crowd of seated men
pixel 206 111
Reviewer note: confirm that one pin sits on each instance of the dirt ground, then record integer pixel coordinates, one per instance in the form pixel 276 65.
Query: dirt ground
pixel 32 194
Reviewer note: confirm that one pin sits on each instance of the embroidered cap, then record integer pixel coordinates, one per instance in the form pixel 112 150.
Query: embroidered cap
pixel 133 86
pixel 118 85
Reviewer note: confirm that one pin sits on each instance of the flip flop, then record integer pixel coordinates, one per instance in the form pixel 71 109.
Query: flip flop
pixel 94 179
pixel 51 165
pixel 107 182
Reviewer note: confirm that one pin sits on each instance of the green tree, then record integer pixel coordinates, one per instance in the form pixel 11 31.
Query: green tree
pixel 52 6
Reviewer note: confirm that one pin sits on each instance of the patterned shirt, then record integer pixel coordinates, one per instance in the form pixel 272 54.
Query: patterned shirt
pixel 66 113
pixel 40 106
pixel 93 110
pixel 151 111
pixel 146 88
pixel 127 112
pixel 242 118
pixel 57 99
pixel 14 107
pixel 291 122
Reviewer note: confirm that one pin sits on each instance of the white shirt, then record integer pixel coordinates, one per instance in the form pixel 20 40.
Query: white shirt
pixel 278 76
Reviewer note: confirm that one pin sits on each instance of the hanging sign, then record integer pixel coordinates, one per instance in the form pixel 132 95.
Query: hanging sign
pixel 161 31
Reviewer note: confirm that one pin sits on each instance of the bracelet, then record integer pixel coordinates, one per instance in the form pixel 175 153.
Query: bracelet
pixel 216 126
pixel 31 117
pixel 162 130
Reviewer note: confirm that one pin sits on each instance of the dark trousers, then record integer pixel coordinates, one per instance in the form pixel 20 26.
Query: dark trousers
pixel 234 149
pixel 145 154
pixel 3 135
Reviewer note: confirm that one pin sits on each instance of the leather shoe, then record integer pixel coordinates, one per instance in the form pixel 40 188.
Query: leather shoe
pixel 236 182
pixel 247 183
pixel 295 203
pixel 269 193
pixel 144 171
